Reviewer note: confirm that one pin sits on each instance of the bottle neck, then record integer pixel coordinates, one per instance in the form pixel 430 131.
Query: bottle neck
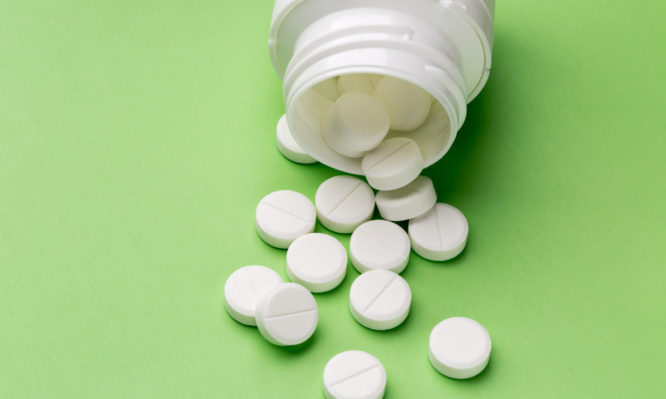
pixel 376 41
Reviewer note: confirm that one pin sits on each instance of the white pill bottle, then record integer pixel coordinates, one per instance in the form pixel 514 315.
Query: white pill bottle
pixel 442 46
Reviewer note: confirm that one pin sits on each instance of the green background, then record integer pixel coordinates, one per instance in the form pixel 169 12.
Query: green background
pixel 136 138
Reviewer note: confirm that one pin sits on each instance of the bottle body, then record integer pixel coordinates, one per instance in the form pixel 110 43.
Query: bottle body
pixel 442 46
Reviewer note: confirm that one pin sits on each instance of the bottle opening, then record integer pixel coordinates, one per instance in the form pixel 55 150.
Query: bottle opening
pixel 414 113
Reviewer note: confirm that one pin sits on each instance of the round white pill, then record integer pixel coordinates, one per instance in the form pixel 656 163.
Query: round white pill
pixel 379 299
pixel 407 104
pixel 356 83
pixel 317 261
pixel 356 123
pixel 287 315
pixel 244 288
pixel 283 216
pixel 354 375
pixel 288 146
pixel 379 244
pixel 439 234
pixel 343 203
pixel 393 164
pixel 459 347
pixel 407 202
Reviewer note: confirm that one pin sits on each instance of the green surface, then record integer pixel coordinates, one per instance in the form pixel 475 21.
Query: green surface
pixel 136 139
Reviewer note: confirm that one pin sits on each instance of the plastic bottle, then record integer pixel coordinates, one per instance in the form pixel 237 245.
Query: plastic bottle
pixel 443 46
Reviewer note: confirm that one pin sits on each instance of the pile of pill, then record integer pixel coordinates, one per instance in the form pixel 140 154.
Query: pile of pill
pixel 364 109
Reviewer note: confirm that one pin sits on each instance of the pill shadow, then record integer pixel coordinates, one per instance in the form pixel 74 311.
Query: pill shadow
pixel 277 350
pixel 458 260
pixel 468 384
pixel 252 331
pixel 391 333
pixel 296 349
pixel 413 256
pixel 468 166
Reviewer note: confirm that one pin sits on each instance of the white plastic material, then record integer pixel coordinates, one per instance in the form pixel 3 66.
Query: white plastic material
pixel 312 111
pixel 283 216
pixel 440 234
pixel 287 315
pixel 328 88
pixel 407 105
pixel 407 202
pixel 376 79
pixel 459 347
pixel 394 164
pixel 288 146
pixel 380 299
pixel 354 375
pixel 379 244
pixel 355 124
pixel 317 261
pixel 343 203
pixel 356 83
pixel 244 288
pixel 443 47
